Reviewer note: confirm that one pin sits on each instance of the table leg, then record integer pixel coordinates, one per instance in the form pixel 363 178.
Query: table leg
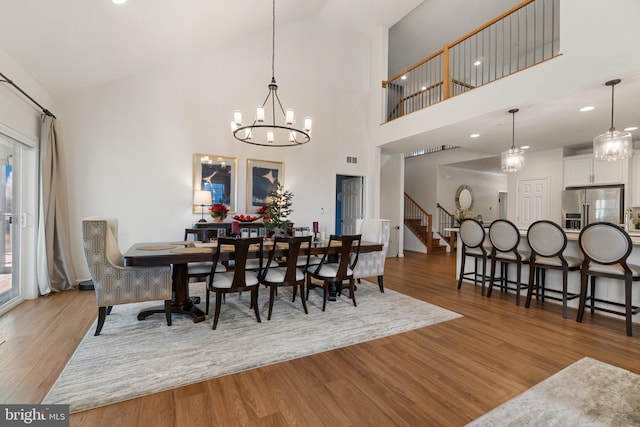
pixel 182 303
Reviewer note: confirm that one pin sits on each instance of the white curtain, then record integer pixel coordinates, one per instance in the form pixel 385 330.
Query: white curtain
pixel 54 270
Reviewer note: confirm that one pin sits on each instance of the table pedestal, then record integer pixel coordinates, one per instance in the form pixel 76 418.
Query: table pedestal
pixel 181 303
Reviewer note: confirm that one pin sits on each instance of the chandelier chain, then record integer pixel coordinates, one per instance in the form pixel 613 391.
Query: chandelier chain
pixel 273 42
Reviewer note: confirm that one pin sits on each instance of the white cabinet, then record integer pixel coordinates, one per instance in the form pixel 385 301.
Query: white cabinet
pixel 635 179
pixel 585 170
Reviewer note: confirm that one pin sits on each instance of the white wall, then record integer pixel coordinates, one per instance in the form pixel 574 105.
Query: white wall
pixel 392 196
pixel 132 142
pixel 484 185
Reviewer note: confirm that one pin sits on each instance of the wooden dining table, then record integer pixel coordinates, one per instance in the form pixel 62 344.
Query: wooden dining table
pixel 179 254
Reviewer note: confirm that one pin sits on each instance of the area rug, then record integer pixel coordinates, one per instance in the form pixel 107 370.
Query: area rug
pixel 132 358
pixel 586 393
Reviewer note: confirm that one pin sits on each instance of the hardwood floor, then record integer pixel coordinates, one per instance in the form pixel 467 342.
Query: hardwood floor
pixel 446 374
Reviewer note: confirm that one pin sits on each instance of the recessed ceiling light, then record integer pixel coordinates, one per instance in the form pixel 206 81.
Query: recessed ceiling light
pixel 477 63
pixel 587 108
pixel 118 1
pixel 525 147
pixel 474 135
pixel 629 129
pixel 404 77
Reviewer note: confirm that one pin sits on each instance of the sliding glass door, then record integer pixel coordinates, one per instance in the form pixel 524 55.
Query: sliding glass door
pixel 10 157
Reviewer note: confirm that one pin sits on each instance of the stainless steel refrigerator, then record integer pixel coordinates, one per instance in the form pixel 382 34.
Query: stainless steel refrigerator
pixel 583 205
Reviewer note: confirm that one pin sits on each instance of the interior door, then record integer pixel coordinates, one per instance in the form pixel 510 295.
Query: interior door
pixel 533 196
pixel 351 191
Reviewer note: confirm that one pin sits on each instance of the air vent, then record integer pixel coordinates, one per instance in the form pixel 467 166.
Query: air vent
pixel 352 159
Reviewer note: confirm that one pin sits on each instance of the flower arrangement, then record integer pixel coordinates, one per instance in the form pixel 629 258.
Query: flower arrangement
pixel 219 212
pixel 276 214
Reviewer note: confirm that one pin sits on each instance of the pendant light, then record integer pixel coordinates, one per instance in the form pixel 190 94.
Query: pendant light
pixel 512 160
pixel 612 145
pixel 272 127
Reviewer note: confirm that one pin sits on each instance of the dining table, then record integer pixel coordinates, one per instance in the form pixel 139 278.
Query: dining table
pixel 180 254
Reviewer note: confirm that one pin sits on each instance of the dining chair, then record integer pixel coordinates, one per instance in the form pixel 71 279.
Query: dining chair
pixel 606 247
pixel 238 280
pixel 371 264
pixel 505 239
pixel 548 241
pixel 200 270
pixel 291 274
pixel 113 282
pixel 474 244
pixel 334 270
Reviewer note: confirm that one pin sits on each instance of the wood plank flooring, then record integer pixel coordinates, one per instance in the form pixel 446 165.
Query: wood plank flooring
pixel 447 374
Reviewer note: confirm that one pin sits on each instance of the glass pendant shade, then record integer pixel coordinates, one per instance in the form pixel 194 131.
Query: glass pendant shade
pixel 512 160
pixel 613 145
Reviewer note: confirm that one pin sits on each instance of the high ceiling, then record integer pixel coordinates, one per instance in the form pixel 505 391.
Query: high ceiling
pixel 71 45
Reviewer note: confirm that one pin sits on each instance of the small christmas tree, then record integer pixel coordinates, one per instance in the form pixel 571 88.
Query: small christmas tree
pixel 279 209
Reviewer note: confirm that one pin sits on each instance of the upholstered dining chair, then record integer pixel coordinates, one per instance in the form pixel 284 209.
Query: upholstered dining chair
pixel 505 239
pixel 371 264
pixel 113 282
pixel 548 241
pixel 200 270
pixel 335 273
pixel 606 247
pixel 472 236
pixel 291 274
pixel 238 280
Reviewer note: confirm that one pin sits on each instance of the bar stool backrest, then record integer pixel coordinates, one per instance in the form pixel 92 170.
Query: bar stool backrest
pixel 546 238
pixel 471 233
pixel 605 243
pixel 504 235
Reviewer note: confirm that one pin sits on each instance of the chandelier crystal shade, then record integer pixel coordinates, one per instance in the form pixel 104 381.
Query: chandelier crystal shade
pixel 512 160
pixel 273 126
pixel 613 145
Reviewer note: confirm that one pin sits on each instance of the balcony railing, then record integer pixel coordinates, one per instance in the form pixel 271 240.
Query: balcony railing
pixel 523 36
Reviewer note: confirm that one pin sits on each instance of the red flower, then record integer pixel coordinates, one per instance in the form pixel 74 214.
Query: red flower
pixel 219 208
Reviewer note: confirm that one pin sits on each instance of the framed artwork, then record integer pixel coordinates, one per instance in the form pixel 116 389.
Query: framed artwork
pixel 262 177
pixel 217 175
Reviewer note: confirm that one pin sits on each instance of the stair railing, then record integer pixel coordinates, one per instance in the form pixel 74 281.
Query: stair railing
pixel 446 220
pixel 413 211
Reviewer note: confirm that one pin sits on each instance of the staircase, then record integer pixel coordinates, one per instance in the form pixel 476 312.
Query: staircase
pixel 420 223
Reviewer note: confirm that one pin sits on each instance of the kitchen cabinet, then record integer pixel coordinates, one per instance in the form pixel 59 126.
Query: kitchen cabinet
pixel 584 170
pixel 635 179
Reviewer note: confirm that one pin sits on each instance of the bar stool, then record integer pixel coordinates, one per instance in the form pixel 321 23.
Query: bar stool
pixel 505 238
pixel 606 248
pixel 472 235
pixel 548 242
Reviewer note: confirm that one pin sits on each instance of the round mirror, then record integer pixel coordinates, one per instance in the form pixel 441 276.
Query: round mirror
pixel 464 197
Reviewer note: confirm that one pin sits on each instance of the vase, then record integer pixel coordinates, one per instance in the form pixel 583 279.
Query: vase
pixel 219 218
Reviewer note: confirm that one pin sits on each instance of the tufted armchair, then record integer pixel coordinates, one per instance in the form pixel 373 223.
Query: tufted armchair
pixel 372 263
pixel 113 282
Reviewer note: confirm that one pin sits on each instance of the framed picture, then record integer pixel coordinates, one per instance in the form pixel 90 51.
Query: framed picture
pixel 262 177
pixel 217 175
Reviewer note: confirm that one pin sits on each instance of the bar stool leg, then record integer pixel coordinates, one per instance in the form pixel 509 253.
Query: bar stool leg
pixel 628 305
pixel 583 296
pixel 565 273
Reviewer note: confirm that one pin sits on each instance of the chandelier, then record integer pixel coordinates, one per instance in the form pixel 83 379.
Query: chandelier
pixel 612 145
pixel 512 160
pixel 273 126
